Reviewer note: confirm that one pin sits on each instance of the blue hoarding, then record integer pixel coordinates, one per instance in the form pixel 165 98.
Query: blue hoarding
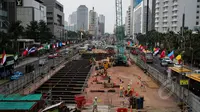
pixel 136 2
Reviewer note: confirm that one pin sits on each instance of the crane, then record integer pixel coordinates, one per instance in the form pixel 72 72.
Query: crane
pixel 120 58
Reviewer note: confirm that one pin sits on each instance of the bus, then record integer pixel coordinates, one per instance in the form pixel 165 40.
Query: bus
pixel 147 56
pixel 8 68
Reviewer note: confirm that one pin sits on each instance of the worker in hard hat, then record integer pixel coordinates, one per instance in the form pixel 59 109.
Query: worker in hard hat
pixel 128 88
pixel 95 105
pixel 121 88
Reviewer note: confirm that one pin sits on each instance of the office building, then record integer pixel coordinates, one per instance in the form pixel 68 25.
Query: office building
pixel 82 18
pixel 169 15
pixel 7 13
pixel 139 16
pixel 55 18
pixel 93 22
pixel 30 10
pixel 101 23
pixel 128 30
pixel 72 21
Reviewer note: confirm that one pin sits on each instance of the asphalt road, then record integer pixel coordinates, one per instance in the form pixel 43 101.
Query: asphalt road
pixel 156 64
pixel 36 63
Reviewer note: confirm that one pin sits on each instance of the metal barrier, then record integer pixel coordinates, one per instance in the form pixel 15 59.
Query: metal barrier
pixel 178 91
pixel 13 86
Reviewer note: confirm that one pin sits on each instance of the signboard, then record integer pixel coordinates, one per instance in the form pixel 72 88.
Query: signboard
pixel 184 82
pixel 19 2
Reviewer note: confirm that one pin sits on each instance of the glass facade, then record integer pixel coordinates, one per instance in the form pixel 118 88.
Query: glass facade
pixel 136 2
pixel 3 15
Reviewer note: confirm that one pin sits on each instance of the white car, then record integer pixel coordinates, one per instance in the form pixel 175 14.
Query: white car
pixel 197 71
pixel 177 65
pixel 168 60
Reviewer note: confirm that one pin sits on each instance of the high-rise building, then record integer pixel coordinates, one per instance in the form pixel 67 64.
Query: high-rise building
pixel 30 10
pixel 82 18
pixel 169 15
pixel 101 24
pixel 7 13
pixel 139 16
pixel 93 22
pixel 73 21
pixel 55 18
pixel 128 30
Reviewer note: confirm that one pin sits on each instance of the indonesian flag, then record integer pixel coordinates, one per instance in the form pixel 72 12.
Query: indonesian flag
pixel 3 58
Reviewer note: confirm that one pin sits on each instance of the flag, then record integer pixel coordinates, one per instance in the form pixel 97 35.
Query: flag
pixel 60 44
pixel 16 57
pixel 32 50
pixel 156 51
pixel 40 48
pixel 171 55
pixel 3 58
pixel 64 43
pixel 179 57
pixel 25 52
pixel 162 55
pixel 57 45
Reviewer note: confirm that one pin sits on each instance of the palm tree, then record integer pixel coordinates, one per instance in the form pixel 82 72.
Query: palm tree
pixel 15 31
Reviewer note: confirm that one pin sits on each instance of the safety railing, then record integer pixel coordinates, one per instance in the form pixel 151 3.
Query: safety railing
pixel 15 85
pixel 177 91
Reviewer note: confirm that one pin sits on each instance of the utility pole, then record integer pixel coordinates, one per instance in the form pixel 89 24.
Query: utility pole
pixel 182 30
pixel 147 20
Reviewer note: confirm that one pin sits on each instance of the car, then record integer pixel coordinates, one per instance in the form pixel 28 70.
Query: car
pixel 177 65
pixel 16 75
pixel 168 60
pixel 197 71
pixel 163 63
pixel 42 62
pixel 51 56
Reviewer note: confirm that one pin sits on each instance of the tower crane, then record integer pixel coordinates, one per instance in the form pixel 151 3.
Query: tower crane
pixel 120 58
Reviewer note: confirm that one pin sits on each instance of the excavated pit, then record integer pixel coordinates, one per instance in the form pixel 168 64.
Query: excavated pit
pixel 67 82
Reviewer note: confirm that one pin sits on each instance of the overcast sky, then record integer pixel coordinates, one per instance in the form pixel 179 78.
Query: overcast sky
pixel 105 7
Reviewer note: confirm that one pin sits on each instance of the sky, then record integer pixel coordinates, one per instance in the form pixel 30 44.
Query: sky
pixel 105 7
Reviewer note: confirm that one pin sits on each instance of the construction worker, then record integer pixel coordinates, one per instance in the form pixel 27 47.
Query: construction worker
pixel 95 105
pixel 121 90
pixel 128 88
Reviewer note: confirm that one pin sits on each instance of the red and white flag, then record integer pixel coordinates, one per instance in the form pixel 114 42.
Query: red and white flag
pixel 3 58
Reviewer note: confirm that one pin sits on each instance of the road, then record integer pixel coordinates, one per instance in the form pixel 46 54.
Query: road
pixel 156 64
pixel 36 63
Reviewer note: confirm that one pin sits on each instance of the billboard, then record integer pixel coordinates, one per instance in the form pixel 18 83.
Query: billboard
pixel 136 2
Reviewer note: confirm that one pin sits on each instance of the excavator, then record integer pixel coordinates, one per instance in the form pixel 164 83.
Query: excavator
pixel 120 58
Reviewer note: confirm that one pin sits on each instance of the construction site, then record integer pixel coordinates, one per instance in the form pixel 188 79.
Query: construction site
pixel 85 80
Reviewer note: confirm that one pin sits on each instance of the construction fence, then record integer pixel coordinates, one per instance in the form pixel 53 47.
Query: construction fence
pixel 172 87
pixel 16 85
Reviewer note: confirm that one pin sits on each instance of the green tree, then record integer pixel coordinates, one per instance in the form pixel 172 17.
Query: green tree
pixel 32 31
pixel 15 31
pixel 45 34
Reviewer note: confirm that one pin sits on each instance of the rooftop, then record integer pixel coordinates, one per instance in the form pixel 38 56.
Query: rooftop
pixel 16 105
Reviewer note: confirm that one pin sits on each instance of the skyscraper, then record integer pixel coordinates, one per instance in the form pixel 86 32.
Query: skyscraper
pixel 93 22
pixel 101 24
pixel 82 18
pixel 72 21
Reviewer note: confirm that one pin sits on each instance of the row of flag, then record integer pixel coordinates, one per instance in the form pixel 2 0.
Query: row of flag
pixel 28 51
pixel 163 53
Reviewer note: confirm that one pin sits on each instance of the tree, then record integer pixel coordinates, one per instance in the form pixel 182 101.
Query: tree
pixel 72 34
pixel 15 30
pixel 45 34
pixel 32 31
